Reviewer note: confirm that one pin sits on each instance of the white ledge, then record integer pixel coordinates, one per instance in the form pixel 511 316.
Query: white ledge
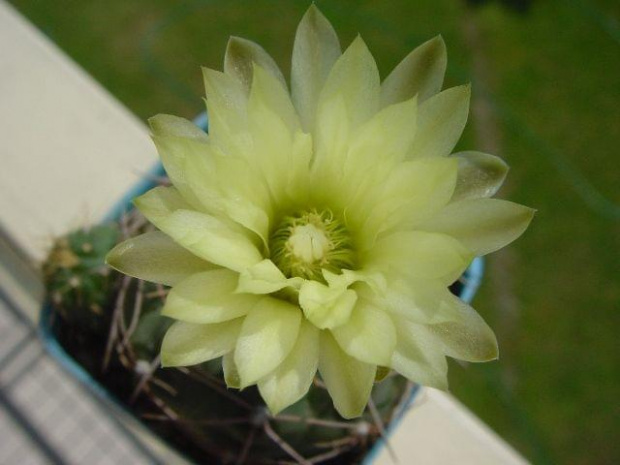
pixel 69 149
pixel 439 430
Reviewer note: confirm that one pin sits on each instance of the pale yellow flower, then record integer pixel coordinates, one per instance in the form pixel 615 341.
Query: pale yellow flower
pixel 320 229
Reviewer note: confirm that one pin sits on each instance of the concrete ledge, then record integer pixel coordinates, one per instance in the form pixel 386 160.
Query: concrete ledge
pixel 439 430
pixel 69 149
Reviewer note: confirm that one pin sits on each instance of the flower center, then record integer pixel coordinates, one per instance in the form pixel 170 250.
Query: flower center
pixel 306 243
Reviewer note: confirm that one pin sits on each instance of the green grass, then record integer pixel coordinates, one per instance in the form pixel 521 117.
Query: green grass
pixel 556 84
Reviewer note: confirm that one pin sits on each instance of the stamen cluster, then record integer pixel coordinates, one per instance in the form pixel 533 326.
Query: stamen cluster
pixel 305 243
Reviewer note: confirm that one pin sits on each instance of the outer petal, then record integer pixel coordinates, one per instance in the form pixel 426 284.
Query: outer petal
pixel 227 104
pixel 315 51
pixel 267 91
pixel 155 257
pixel 480 175
pixel 159 203
pixel 215 183
pixel 413 191
pixel 375 148
pixel 457 329
pixel 292 379
pixel 208 297
pixel 189 344
pixel 326 306
pixel 419 356
pixel 464 334
pixel 231 375
pixel 369 335
pixel 241 55
pixel 482 225
pixel 420 73
pixel 420 255
pixel 272 122
pixel 269 333
pixel 386 137
pixel 203 235
pixel 415 300
pixel 249 215
pixel 349 381
pixel 265 278
pixel 331 147
pixel 176 153
pixel 228 187
pixel 211 239
pixel 298 187
pixel 441 121
pixel 354 77
pixel 169 125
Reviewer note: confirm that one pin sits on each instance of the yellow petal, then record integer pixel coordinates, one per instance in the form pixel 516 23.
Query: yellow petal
pixel 414 191
pixel 369 335
pixel 354 77
pixel 298 187
pixel 464 334
pixel 159 203
pixel 480 175
pixel 188 344
pixel 349 381
pixel 231 375
pixel 169 125
pixel 482 225
pixel 386 137
pixel 420 255
pixel 292 379
pixel 419 355
pixel 273 123
pixel 247 214
pixel 376 281
pixel 419 73
pixel 349 98
pixel 331 147
pixel 269 92
pixel 326 306
pixel 155 257
pixel 241 55
pixel 382 373
pixel 227 105
pixel 268 334
pixel 214 183
pixel 441 120
pixel 415 300
pixel 375 149
pixel 227 186
pixel 265 278
pixel 210 238
pixel 175 153
pixel 208 297
pixel 202 234
pixel 315 51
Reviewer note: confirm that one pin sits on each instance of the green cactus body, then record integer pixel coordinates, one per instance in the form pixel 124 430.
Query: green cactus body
pixel 78 283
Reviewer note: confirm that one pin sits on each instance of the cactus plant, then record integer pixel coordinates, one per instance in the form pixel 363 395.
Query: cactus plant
pixel 77 281
pixel 316 230
pixel 191 407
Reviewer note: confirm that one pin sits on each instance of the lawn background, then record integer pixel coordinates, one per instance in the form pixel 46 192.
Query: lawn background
pixel 551 77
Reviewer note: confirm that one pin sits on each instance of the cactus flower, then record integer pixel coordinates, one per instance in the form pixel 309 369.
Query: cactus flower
pixel 319 229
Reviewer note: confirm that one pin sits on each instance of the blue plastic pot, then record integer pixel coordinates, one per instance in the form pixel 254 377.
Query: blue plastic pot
pixel 470 283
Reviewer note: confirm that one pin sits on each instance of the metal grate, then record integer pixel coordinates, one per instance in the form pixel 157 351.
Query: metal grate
pixel 46 417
